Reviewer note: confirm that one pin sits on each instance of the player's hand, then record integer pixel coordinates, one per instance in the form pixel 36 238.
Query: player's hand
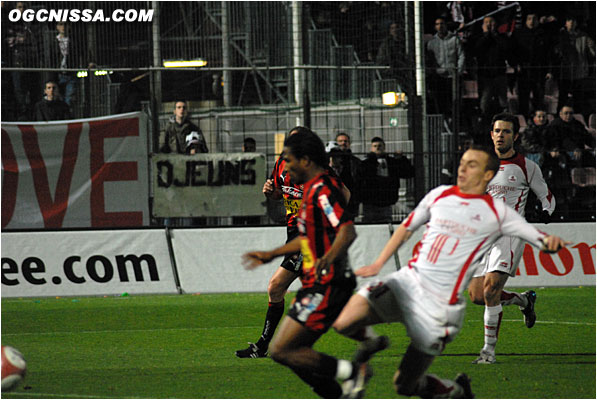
pixel 552 244
pixel 255 258
pixel 368 270
pixel 268 187
pixel 322 266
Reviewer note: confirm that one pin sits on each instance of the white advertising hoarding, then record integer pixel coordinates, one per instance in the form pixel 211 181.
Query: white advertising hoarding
pixel 209 260
pixel 86 263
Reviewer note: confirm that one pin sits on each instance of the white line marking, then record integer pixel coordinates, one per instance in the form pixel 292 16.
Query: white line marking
pixel 234 327
pixel 124 331
pixel 67 396
pixel 555 322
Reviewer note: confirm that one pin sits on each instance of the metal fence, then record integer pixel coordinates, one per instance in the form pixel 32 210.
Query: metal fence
pixel 263 74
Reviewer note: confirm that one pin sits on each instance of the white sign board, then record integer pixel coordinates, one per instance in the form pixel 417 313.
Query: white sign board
pixel 86 263
pixel 227 184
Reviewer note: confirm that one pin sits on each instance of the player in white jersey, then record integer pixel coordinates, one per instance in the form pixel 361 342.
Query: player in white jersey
pixel 462 223
pixel 516 176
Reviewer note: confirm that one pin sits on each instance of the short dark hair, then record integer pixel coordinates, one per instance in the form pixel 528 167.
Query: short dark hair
pixel 249 140
pixel 300 129
pixel 55 82
pixel 342 134
pixel 306 143
pixel 493 162
pixel 513 119
pixel 377 139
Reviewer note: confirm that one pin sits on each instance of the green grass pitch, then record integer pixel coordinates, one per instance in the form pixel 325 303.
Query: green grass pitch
pixel 183 347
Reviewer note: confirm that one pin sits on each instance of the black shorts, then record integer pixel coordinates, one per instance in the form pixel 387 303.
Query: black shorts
pixel 292 262
pixel 317 307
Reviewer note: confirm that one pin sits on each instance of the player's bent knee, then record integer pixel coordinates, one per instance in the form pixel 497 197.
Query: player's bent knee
pixel 275 290
pixel 476 297
pixel 276 353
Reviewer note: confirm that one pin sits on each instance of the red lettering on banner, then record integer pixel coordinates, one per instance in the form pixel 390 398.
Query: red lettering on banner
pixel 586 259
pixel 10 179
pixel 52 211
pixel 102 171
pixel 529 261
pixel 550 266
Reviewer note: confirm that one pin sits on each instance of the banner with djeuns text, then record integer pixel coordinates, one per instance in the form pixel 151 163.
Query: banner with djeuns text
pixel 86 263
pixel 75 174
pixel 204 185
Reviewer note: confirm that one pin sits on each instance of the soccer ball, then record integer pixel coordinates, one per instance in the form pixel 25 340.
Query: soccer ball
pixel 13 368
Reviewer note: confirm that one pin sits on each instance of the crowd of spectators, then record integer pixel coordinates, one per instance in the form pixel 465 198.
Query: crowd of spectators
pixel 54 46
pixel 512 51
pixel 512 58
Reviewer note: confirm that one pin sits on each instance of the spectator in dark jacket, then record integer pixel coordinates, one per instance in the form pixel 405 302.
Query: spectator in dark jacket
pixel 379 181
pixel 63 49
pixel 568 134
pixel 492 50
pixel 20 45
pixel 181 135
pixel 556 170
pixel 533 52
pixel 350 169
pixel 534 137
pixel 51 107
pixel 576 51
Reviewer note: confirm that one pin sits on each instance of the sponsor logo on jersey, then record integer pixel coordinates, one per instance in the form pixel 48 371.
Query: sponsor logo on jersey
pixel 511 178
pixel 476 218
pixel 292 206
pixel 328 210
pixel 292 191
pixel 454 227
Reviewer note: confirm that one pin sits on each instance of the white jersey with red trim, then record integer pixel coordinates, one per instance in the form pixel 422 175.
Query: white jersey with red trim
pixel 515 177
pixel 461 228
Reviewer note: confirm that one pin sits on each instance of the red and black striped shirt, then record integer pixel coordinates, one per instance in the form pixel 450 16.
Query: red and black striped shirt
pixel 292 194
pixel 322 214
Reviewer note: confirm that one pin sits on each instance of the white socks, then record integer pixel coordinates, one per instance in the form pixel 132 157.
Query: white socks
pixel 492 319
pixel 343 369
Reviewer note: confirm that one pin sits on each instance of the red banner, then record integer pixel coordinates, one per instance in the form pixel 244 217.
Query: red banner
pixel 84 173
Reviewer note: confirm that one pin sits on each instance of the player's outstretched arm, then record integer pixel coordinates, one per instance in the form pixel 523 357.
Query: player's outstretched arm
pixel 515 225
pixel 254 259
pixel 400 236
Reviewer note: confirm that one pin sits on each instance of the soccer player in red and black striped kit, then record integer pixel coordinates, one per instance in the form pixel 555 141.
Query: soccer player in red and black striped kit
pixel 326 231
pixel 279 185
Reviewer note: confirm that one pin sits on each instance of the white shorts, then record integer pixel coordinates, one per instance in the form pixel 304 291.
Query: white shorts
pixel 503 256
pixel 431 323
